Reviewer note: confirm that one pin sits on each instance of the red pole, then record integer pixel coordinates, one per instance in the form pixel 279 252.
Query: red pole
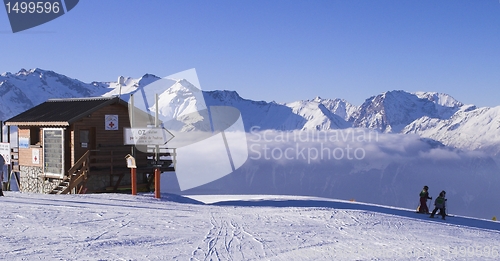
pixel 133 180
pixel 157 183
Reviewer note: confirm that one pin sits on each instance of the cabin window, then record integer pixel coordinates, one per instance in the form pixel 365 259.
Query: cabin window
pixel 34 135
pixel 84 138
pixel 53 151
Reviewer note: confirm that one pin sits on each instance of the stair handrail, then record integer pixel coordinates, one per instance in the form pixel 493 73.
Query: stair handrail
pixel 79 163
pixel 78 172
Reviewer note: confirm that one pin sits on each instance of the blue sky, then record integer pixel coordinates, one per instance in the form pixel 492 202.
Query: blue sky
pixel 281 50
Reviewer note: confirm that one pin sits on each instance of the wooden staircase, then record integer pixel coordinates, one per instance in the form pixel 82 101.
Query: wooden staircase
pixel 107 164
pixel 75 181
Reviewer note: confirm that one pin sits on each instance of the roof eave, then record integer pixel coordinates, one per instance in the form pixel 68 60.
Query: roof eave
pixel 35 123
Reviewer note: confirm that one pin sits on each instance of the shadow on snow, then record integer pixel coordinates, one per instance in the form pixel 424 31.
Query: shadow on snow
pixel 454 220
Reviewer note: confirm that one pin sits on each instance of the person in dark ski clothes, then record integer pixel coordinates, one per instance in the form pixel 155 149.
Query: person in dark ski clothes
pixel 424 195
pixel 444 207
pixel 440 203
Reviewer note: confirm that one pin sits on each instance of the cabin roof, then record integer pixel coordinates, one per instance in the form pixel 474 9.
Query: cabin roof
pixel 62 112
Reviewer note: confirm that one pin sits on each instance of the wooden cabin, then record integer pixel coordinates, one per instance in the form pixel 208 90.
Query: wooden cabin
pixel 77 146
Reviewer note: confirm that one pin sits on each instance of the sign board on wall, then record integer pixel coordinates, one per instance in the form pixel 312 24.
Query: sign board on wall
pixel 5 151
pixel 24 142
pixel 111 122
pixel 146 136
pixel 35 156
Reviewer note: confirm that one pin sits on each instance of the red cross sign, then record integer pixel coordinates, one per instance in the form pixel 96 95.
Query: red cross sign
pixel 111 122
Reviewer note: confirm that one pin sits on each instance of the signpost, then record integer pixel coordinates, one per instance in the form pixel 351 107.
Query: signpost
pixel 156 136
pixel 5 152
pixel 146 136
pixel 133 176
pixel 157 150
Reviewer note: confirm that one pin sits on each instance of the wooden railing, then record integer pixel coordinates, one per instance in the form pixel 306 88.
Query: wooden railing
pixel 77 175
pixel 108 161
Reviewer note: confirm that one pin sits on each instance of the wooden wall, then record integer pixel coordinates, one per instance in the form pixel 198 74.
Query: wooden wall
pixel 96 124
pixel 25 154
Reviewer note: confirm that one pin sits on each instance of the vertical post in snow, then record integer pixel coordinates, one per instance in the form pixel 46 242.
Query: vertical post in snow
pixel 133 180
pixel 157 183
pixel 11 165
pixel 133 175
pixel 157 148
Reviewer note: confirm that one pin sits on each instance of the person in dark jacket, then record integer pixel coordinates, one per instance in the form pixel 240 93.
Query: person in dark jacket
pixel 424 195
pixel 440 204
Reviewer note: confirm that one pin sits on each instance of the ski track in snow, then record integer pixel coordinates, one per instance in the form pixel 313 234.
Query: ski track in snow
pixel 227 239
pixel 124 227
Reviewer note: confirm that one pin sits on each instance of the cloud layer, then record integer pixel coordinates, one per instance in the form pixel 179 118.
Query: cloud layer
pixel 363 165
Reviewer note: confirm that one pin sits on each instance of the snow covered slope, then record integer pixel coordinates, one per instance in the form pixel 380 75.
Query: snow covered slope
pixel 124 227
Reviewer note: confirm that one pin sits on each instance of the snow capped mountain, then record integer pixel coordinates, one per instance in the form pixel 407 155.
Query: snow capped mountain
pixel 12 100
pixel 339 107
pixel 260 114
pixel 470 127
pixel 445 104
pixel 130 85
pixel 429 114
pixel 317 116
pixel 42 85
pixel 25 89
pixel 392 111
pixel 179 99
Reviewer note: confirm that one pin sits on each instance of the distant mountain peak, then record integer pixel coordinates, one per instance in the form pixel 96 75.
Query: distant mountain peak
pixel 224 95
pixel 317 99
pixel 442 99
pixel 23 72
pixel 391 111
pixel 182 85
pixel 148 75
pixel 36 70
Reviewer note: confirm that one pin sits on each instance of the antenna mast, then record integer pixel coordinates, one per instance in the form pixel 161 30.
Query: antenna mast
pixel 121 81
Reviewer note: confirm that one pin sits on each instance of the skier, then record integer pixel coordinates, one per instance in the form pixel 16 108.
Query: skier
pixel 444 206
pixel 424 195
pixel 440 204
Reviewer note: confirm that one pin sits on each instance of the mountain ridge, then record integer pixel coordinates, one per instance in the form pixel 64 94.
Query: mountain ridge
pixel 429 114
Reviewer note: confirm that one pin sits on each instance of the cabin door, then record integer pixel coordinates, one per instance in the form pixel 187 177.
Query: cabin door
pixel 87 139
